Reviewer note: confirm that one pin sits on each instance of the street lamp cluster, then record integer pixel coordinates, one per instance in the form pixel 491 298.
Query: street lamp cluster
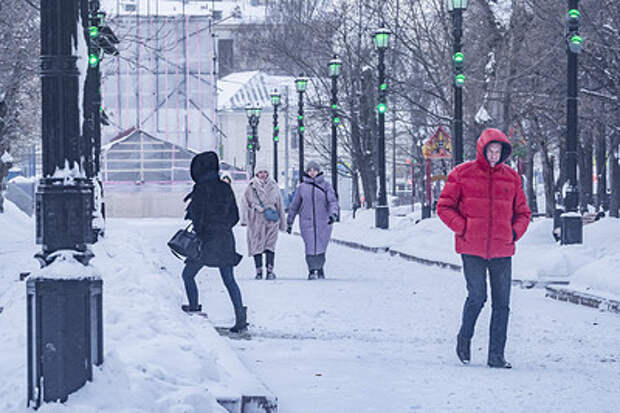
pixel 381 38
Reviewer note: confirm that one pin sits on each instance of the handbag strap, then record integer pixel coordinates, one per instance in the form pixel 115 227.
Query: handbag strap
pixel 257 197
pixel 177 255
pixel 315 185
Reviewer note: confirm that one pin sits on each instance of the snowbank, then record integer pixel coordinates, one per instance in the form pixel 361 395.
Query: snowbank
pixel 157 359
pixel 591 266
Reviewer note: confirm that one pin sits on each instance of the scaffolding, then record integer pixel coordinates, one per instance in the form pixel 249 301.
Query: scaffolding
pixel 163 83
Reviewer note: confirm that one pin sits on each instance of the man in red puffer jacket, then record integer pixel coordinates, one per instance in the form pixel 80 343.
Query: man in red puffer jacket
pixel 484 204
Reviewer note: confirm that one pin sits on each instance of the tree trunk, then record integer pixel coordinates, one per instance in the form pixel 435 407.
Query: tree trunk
pixel 559 182
pixel 529 180
pixel 601 170
pixel 356 190
pixel 548 178
pixel 585 172
pixel 614 156
pixel 4 171
pixel 367 123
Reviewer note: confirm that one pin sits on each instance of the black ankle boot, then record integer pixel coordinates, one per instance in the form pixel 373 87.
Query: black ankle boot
pixel 259 274
pixel 498 362
pixel 241 320
pixel 463 349
pixel 313 275
pixel 188 309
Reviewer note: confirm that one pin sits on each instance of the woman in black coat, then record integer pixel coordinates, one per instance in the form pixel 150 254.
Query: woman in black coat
pixel 213 212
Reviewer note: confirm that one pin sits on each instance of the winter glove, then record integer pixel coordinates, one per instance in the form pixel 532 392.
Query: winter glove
pixel 332 218
pixel 289 228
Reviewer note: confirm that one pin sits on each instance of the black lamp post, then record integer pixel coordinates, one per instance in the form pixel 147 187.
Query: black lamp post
pixel 101 41
pixel 456 8
pixel 334 71
pixel 382 38
pixel 64 318
pixel 253 114
pixel 300 84
pixel 571 222
pixel 275 101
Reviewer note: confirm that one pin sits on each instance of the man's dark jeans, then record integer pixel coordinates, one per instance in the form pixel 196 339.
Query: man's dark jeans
pixel 500 274
pixel 190 271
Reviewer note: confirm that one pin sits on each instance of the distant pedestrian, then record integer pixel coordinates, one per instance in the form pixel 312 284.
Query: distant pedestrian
pixel 225 177
pixel 263 213
pixel 213 212
pixel 317 205
pixel 484 204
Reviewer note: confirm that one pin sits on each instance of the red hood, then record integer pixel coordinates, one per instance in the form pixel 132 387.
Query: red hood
pixel 492 135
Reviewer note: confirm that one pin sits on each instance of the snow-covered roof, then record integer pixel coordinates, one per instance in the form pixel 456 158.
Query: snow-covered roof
pixel 482 116
pixel 502 11
pixel 238 89
pixel 242 10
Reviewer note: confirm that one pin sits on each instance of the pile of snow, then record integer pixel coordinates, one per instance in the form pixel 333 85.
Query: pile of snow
pixel 156 358
pixel 600 275
pixel 589 266
pixel 19 179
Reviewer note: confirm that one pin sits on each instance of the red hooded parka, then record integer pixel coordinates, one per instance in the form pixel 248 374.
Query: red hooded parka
pixel 485 206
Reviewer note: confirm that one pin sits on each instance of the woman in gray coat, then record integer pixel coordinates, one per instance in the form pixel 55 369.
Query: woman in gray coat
pixel 262 193
pixel 317 205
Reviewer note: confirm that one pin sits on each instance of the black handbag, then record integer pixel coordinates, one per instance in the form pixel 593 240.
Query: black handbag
pixel 185 243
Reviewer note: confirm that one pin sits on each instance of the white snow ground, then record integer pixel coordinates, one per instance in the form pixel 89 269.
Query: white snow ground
pixel 376 336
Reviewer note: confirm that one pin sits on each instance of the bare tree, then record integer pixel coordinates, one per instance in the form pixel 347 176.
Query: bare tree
pixel 19 80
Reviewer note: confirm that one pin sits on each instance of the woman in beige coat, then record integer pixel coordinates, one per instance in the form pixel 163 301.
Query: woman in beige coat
pixel 261 194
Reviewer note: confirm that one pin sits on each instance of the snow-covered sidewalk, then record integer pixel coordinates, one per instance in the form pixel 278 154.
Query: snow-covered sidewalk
pixel 377 335
pixel 592 267
pixel 156 358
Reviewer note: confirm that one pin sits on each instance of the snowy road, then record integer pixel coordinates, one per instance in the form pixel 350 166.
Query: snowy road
pixel 378 336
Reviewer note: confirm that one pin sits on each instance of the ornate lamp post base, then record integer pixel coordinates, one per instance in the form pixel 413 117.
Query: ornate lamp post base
pixel 382 216
pixel 65 336
pixel 571 225
pixel 426 211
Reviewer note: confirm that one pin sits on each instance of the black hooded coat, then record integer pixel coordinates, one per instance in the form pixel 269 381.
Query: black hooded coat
pixel 213 212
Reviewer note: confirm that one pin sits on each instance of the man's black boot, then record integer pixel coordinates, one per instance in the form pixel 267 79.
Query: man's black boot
pixel 463 349
pixel 498 362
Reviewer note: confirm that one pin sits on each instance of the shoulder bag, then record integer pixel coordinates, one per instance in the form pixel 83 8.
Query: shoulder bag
pixel 270 214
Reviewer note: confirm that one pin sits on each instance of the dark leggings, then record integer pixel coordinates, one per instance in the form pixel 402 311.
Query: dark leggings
pixel 189 273
pixel 270 258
